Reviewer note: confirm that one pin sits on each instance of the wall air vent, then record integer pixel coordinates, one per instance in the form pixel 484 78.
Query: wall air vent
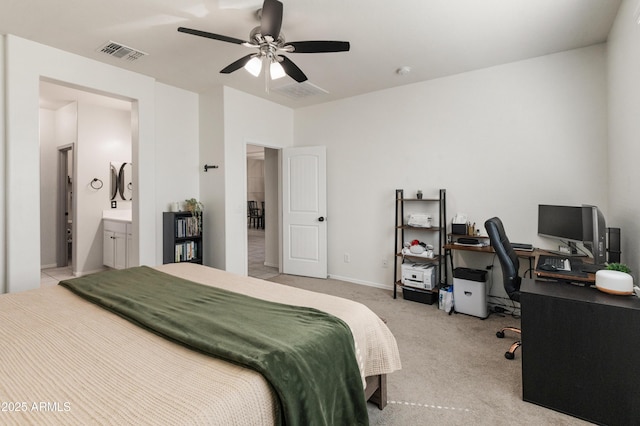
pixel 120 51
pixel 299 90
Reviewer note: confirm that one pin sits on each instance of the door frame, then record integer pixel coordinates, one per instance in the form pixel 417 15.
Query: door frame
pixel 62 215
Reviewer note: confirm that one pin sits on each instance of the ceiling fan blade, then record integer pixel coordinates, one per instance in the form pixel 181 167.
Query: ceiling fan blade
pixel 211 35
pixel 237 64
pixel 319 46
pixel 271 20
pixel 292 70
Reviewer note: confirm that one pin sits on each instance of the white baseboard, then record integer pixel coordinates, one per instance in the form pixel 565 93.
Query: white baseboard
pixel 361 282
pixel 53 265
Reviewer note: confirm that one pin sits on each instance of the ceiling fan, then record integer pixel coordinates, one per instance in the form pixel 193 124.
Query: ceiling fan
pixel 271 45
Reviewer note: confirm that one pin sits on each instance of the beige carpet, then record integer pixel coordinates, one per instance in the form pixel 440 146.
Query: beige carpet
pixel 454 371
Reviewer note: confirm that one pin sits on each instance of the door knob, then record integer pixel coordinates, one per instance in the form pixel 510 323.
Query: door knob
pixel 321 219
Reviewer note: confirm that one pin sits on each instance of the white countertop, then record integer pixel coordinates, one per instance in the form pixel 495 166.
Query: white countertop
pixel 120 215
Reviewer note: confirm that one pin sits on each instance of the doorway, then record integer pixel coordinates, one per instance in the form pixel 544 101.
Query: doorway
pixel 262 222
pixel 75 188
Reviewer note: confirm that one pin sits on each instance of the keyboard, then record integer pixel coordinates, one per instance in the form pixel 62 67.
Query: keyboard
pixel 555 263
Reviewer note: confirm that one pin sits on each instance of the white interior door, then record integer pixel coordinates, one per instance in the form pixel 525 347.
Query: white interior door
pixel 304 210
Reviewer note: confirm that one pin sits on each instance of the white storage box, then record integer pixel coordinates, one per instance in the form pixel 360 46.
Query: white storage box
pixel 470 292
pixel 419 275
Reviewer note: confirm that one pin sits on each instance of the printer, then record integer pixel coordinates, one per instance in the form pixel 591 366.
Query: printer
pixel 419 275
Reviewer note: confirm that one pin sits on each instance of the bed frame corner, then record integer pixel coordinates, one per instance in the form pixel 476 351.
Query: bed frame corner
pixel 376 390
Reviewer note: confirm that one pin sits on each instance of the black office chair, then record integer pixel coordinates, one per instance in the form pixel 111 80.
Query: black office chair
pixel 510 266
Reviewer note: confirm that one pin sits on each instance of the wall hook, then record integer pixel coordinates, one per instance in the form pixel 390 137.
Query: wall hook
pixel 96 183
pixel 207 167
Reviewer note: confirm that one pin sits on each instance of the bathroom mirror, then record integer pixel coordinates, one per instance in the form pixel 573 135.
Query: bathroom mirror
pixel 125 183
pixel 121 181
pixel 114 181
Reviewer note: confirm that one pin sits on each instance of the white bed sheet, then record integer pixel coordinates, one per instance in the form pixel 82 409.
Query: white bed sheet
pixel 66 361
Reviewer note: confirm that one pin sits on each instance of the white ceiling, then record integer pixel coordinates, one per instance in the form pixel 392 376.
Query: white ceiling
pixel 434 38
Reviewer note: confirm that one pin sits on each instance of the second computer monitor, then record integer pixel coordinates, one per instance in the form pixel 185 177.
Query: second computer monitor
pixel 594 233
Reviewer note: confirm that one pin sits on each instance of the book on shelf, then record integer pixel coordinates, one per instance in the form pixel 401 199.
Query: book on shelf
pixel 186 251
pixel 187 227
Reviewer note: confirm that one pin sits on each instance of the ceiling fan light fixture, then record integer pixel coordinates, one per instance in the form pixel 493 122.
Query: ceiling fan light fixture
pixel 270 42
pixel 276 70
pixel 254 66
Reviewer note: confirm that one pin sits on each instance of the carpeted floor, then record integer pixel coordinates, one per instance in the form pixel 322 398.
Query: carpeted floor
pixel 454 371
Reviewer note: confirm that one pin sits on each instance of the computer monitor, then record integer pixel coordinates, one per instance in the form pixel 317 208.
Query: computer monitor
pixel 594 233
pixel 574 224
pixel 561 222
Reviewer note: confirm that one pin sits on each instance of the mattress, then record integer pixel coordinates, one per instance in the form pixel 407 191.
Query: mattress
pixel 67 361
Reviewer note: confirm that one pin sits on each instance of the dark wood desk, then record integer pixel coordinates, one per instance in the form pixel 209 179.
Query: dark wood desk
pixel 589 279
pixel 580 351
pixel 531 256
pixel 488 249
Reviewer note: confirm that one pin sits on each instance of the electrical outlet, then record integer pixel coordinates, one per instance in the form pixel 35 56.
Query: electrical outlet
pixel 114 204
pixel 385 263
pixel 347 258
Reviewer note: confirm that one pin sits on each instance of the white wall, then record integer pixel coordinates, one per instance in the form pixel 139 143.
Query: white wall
pixel 100 135
pixel 25 63
pixel 623 61
pixel 104 136
pixel 449 133
pixel 57 128
pixel 500 140
pixel 212 183
pixel 66 132
pixel 48 187
pixel 176 159
pixel 248 120
pixel 3 169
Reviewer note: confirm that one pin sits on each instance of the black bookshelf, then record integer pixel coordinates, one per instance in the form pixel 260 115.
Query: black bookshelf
pixel 182 237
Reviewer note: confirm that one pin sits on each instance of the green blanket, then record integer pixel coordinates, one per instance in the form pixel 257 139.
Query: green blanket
pixel 307 356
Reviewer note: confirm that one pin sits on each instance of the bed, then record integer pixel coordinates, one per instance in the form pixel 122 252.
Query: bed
pixel 66 360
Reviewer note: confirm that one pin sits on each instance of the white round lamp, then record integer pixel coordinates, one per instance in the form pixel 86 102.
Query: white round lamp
pixel 614 282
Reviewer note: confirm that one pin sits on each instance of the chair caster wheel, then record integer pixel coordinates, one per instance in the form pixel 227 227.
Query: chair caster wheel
pixel 500 334
pixel 509 355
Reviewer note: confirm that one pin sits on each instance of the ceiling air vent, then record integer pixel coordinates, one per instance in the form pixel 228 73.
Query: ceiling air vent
pixel 121 51
pixel 299 90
